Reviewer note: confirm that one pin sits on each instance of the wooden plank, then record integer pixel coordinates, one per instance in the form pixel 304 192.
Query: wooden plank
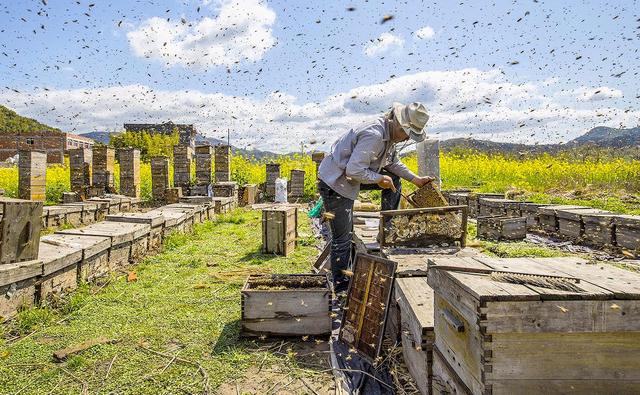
pixel 444 380
pixel 259 304
pixel 565 356
pixel 20 226
pixel 58 257
pixel 153 219
pixel 484 289
pixel 11 273
pixel 616 386
pixel 565 316
pixel 415 301
pixel 90 245
pixel 295 326
pixel 419 364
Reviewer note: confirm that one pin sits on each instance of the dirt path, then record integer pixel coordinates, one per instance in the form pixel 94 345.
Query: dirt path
pixel 173 330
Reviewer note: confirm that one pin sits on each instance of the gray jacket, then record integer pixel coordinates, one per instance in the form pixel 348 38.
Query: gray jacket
pixel 358 156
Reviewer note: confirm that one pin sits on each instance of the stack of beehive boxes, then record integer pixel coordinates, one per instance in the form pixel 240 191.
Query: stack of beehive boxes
pixel 182 166
pixel 104 159
pixel 273 172
pixel 32 173
pixel 203 164
pixel 296 185
pixel 159 177
pixel 223 163
pixel 129 172
pixel 80 171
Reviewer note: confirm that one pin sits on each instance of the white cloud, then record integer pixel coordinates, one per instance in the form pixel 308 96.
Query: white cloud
pixel 461 103
pixel 425 33
pixel 383 44
pixel 240 32
pixel 596 94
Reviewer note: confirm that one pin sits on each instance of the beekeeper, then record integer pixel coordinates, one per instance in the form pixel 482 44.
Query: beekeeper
pixel 366 158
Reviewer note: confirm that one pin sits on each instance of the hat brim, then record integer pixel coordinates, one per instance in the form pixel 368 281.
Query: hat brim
pixel 418 137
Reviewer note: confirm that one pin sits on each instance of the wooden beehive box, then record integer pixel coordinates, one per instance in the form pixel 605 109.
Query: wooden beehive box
pixel 598 229
pixel 502 228
pixel 424 227
pixel 628 232
pixel 503 333
pixel 474 201
pixel 414 298
pixel 32 175
pixel 273 173
pixel 570 225
pixel 223 163
pixel 20 225
pixel 459 199
pixel 279 230
pixel 286 305
pixel 296 184
pixel 225 189
pixel 530 211
pixel 248 195
pixel 548 219
pixel 498 207
pixel 427 196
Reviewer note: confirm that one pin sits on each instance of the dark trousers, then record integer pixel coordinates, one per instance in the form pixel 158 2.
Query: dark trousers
pixel 342 225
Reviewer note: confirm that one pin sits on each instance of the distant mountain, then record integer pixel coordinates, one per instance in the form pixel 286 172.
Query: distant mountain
pixel 11 122
pixel 603 136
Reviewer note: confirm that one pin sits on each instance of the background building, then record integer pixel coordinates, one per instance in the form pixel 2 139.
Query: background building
pixel 54 143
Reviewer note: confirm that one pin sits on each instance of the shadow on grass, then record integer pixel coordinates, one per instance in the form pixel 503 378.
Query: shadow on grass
pixel 229 337
pixel 257 257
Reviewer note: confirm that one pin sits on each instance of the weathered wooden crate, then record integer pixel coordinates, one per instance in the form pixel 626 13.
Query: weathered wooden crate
pixel 182 166
pixel 80 171
pixel 570 225
pixel 32 175
pixel 20 225
pixel 273 172
pixel 73 214
pixel 599 229
pixel 459 199
pixel 531 326
pixel 225 189
pixel 159 177
pixel 95 253
pixel 198 211
pixel 223 163
pixel 18 286
pixel 224 204
pixel 628 232
pixel 427 196
pixel 279 230
pixel 127 243
pixel 502 228
pixel 424 227
pixel 247 195
pixel 103 171
pixel 173 195
pixel 60 270
pixel 155 220
pixel 174 220
pixel 286 305
pixel 530 211
pixel 415 303
pixel 498 207
pixel 548 218
pixel 129 172
pixel 296 183
pixel 474 201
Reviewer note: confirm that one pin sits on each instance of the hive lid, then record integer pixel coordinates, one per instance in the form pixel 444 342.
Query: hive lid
pixel 116 232
pixel 151 218
pixel 90 245
pixel 552 209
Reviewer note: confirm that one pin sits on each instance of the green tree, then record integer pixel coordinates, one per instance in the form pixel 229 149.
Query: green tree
pixel 149 144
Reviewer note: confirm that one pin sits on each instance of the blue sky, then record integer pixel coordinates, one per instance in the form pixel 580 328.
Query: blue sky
pixel 278 73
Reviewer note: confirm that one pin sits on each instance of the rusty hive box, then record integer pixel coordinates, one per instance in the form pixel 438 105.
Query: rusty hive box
pixel 279 230
pixel 427 196
pixel 286 305
pixel 20 225
pixel 424 227
pixel 536 325
pixel 368 298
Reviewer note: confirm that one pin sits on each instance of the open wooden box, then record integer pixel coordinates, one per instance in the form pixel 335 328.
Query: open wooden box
pixel 286 305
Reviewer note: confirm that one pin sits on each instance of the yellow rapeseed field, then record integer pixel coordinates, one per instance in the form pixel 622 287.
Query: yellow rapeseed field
pixel 610 183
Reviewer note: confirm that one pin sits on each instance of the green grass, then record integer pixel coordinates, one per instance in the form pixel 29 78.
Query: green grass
pixel 185 302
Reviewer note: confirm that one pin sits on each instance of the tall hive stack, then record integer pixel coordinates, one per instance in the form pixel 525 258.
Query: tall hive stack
pixel 203 164
pixel 104 159
pixel 296 186
pixel 130 172
pixel 159 177
pixel 223 163
pixel 182 166
pixel 80 170
pixel 32 172
pixel 20 224
pixel 273 172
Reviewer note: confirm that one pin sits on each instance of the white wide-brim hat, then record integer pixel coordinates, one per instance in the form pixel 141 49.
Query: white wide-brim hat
pixel 413 119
